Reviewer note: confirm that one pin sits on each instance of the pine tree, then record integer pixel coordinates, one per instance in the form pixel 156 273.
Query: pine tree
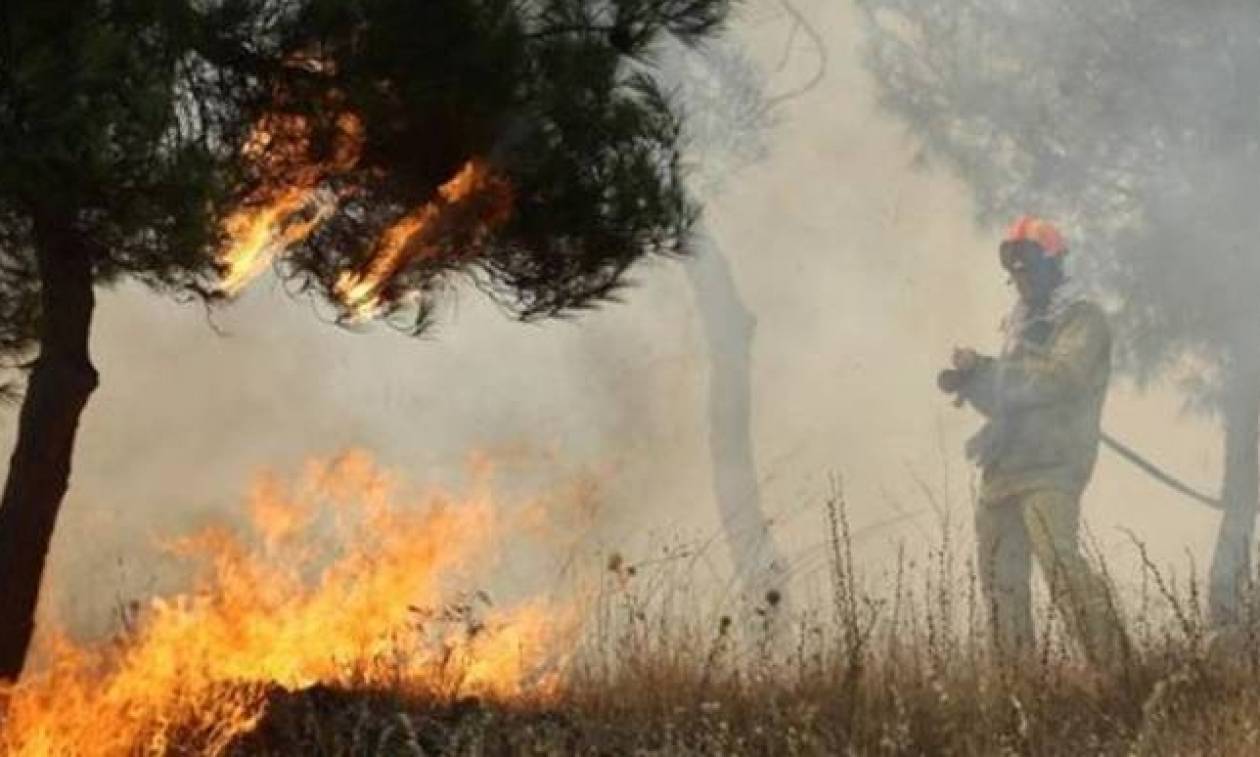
pixel 375 152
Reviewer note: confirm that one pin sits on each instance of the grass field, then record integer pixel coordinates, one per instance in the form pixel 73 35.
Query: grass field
pixel 905 669
pixel 651 666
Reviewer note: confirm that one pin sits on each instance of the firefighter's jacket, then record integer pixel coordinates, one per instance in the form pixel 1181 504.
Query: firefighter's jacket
pixel 1043 399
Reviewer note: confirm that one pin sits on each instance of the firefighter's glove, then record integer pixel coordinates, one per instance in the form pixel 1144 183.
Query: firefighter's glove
pixel 951 380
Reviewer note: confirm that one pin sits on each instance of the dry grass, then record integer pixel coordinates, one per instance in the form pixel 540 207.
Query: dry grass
pixel 907 670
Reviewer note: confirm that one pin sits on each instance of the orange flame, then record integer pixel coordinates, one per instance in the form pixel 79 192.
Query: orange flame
pixel 294 203
pixel 270 222
pixel 360 291
pixel 199 663
pixel 473 190
pixel 258 234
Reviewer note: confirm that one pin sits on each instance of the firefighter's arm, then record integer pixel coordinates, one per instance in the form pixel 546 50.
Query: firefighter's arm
pixel 1061 369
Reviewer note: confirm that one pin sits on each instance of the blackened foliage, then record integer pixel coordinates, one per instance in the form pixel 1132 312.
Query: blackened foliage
pixel 331 720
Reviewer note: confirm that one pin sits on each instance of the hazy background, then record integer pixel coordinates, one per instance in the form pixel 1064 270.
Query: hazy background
pixel 863 273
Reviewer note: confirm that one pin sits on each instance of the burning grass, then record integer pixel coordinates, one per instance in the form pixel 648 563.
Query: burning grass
pixel 344 580
pixel 371 648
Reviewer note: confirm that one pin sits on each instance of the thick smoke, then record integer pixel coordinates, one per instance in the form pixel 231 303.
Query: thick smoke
pixel 861 270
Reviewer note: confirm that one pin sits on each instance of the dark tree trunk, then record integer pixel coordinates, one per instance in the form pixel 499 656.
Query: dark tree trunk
pixel 60 382
pixel 1240 491
pixel 728 329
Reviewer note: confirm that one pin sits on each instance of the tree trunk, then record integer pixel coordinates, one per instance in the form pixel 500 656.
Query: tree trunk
pixel 60 382
pixel 728 329
pixel 1240 491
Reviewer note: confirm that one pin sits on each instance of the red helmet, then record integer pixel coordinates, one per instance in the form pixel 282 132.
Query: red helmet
pixel 1033 229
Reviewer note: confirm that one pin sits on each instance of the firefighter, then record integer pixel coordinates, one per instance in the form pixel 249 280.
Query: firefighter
pixel 1042 399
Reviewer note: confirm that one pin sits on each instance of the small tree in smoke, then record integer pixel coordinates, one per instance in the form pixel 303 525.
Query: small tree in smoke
pixel 1136 125
pixel 730 111
pixel 379 149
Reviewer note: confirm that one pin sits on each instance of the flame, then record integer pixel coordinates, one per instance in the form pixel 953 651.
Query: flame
pixel 360 291
pixel 276 611
pixel 295 201
pixel 270 221
pixel 473 190
pixel 258 234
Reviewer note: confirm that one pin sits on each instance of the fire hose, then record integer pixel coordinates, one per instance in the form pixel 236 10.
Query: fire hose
pixel 1158 473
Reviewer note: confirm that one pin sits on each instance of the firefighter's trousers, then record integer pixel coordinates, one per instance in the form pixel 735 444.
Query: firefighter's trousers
pixel 1044 523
